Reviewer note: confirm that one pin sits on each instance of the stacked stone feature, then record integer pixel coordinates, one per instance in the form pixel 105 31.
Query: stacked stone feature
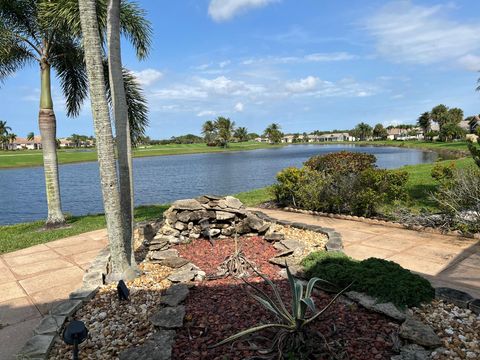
pixel 209 217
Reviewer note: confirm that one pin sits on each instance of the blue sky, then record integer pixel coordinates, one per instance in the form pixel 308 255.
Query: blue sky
pixel 306 64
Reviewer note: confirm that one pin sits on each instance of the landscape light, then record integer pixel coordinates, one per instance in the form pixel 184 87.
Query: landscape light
pixel 122 290
pixel 75 333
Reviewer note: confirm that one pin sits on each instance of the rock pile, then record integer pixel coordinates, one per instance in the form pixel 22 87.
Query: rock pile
pixel 210 217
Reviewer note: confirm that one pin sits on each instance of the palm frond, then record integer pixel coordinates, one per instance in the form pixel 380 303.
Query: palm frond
pixel 20 17
pixel 13 53
pixel 67 58
pixel 134 26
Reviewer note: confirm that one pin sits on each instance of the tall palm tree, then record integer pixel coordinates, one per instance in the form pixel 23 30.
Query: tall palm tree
pixel 47 33
pixel 273 133
pixel 225 128
pixel 120 256
pixel 363 131
pixel 120 115
pixel 4 129
pixel 30 136
pixel 424 122
pixel 11 138
pixel 209 131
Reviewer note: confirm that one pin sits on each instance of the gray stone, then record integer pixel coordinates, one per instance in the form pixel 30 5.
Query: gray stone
pixel 253 222
pixel 264 228
pixel 37 347
pixel 233 202
pixel 164 254
pixel 222 204
pixel 202 199
pixel 274 236
pixel 419 333
pixel 180 226
pixel 93 278
pixel 184 216
pixel 174 295
pixel 187 204
pixel 457 297
pixel 334 243
pixel 174 262
pixel 182 275
pixel 213 232
pixel 284 253
pixel 228 231
pixel 371 303
pixel 212 197
pixel 279 246
pixel 169 317
pixel 292 244
pixel 285 261
pixel 414 352
pixel 242 228
pixel 475 306
pixel 168 230
pixel 159 347
pixel 222 215
pixel 50 325
pixel 164 245
pixel 66 308
pixel 84 293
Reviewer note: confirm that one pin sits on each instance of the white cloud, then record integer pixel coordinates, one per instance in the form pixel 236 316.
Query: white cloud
pixel 205 113
pixel 303 85
pixel 222 85
pixel 315 57
pixel 222 64
pixel 223 10
pixel 239 107
pixel 420 34
pixel 182 92
pixel 148 76
pixel 470 62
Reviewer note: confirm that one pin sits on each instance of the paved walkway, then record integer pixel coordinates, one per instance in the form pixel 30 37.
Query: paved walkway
pixel 444 260
pixel 35 279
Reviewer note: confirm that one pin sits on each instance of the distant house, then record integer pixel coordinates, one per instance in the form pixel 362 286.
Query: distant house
pixel 289 138
pixel 336 137
pixel 24 144
pixel 262 140
pixel 404 134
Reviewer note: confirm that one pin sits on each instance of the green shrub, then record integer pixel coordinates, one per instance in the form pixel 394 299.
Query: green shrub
pixel 341 162
pixel 383 279
pixel 289 181
pixel 442 172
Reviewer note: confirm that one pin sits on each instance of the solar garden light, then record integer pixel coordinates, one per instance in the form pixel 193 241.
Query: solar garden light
pixel 122 290
pixel 75 333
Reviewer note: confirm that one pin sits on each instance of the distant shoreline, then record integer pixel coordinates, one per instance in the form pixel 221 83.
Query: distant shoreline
pixel 33 158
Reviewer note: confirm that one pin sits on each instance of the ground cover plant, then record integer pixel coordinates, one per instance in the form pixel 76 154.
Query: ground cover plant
pixel 383 279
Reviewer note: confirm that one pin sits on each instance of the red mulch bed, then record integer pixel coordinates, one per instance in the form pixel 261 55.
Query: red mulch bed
pixel 220 308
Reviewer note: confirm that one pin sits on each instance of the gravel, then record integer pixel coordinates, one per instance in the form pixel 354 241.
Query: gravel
pixel 458 328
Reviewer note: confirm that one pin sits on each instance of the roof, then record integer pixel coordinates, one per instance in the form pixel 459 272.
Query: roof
pixel 21 140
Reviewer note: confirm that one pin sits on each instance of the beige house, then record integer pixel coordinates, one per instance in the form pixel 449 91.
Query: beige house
pixel 24 144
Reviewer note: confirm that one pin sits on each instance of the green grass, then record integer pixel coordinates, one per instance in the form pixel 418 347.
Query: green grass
pixel 24 158
pixel 383 279
pixel 20 236
pixel 255 197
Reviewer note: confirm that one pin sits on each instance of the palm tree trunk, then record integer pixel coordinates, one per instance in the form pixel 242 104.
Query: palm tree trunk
pixel 120 267
pixel 48 130
pixel 122 128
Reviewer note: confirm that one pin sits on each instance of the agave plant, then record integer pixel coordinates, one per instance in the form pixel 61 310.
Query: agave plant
pixel 291 332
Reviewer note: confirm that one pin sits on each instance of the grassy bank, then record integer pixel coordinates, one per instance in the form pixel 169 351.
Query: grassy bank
pixel 25 158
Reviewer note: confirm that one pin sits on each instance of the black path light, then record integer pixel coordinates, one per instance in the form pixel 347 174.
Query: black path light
pixel 122 290
pixel 75 333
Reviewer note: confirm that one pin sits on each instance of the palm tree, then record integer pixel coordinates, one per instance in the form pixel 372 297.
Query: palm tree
pixel 273 133
pixel 11 138
pixel 30 136
pixel 225 128
pixel 424 122
pixel 241 134
pixel 47 33
pixel 4 129
pixel 120 256
pixel 379 132
pixel 209 131
pixel 363 131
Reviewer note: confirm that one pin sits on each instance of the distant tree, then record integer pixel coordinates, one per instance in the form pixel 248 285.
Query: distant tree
pixel 225 128
pixel 412 132
pixel 209 132
pixel 431 134
pixel 305 137
pixel 253 136
pixel 241 134
pixel 295 138
pixel 451 131
pixel 362 131
pixel 424 122
pixel 273 133
pixel 455 115
pixel 11 138
pixel 4 130
pixel 379 132
pixel 439 114
pixel 30 136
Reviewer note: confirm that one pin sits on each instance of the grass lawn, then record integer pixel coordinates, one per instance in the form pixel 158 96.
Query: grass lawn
pixel 20 236
pixel 24 158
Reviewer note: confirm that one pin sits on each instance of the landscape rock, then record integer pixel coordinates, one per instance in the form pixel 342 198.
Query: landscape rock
pixel 371 303
pixel 222 215
pixel 50 325
pixel 475 306
pixel 233 203
pixel 419 333
pixel 175 294
pixel 457 297
pixel 164 254
pixel 187 204
pixel 66 308
pixel 159 347
pixel 174 262
pixel 37 347
pixel 181 275
pixel 412 352
pixel 169 317
pixel 274 236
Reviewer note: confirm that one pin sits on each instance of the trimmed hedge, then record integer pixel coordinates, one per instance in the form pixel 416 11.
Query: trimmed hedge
pixel 383 279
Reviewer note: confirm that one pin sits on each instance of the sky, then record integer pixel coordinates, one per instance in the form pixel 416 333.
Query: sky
pixel 305 64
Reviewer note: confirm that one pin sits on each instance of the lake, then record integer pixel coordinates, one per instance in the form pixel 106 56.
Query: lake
pixel 163 179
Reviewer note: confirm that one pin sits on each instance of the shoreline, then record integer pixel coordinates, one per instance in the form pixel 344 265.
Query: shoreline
pixel 189 149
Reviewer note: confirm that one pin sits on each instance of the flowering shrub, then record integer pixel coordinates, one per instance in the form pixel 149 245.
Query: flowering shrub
pixel 341 162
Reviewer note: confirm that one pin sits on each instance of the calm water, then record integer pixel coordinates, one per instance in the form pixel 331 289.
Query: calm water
pixel 163 179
